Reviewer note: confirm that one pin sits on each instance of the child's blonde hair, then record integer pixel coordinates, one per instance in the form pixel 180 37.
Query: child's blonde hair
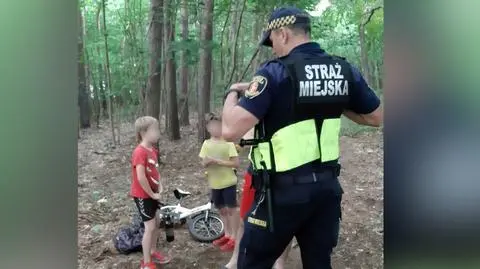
pixel 141 126
pixel 212 116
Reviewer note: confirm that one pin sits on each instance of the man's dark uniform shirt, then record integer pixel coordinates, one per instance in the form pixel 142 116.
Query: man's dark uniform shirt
pixel 270 104
pixel 310 212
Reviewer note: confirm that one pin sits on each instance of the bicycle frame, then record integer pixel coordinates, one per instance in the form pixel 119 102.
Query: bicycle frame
pixel 183 212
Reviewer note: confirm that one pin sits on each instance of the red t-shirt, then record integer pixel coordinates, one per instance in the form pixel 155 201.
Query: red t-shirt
pixel 147 158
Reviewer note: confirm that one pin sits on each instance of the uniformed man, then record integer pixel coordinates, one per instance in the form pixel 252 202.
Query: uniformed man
pixel 295 103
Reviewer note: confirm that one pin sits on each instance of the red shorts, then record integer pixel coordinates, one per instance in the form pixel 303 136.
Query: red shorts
pixel 248 195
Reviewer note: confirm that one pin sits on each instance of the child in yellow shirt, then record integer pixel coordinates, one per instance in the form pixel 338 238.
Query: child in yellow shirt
pixel 220 158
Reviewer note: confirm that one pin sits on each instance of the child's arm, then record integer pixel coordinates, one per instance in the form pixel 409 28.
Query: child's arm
pixel 142 179
pixel 234 162
pixel 207 161
pixel 160 186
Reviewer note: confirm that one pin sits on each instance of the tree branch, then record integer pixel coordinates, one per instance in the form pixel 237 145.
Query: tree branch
pixel 370 14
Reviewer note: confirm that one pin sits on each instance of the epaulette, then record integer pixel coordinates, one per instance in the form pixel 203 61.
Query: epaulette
pixel 265 62
pixel 268 61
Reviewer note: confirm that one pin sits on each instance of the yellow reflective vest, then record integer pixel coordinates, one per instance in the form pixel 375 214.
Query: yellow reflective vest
pixel 298 144
pixel 319 94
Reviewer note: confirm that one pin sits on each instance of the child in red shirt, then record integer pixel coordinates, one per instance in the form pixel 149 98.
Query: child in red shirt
pixel 146 187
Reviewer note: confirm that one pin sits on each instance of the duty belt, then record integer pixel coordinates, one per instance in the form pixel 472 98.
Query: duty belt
pixel 265 185
pixel 281 181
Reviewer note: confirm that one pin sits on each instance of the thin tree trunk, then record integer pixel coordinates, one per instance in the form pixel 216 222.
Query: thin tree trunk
pixel 363 52
pixel 166 27
pixel 231 37
pixel 197 88
pixel 109 79
pixel 257 31
pixel 222 37
pixel 234 54
pixel 96 95
pixel 199 14
pixel 83 96
pixel 363 44
pixel 371 67
pixel 139 59
pixel 101 70
pixel 184 117
pixel 155 42
pixel 173 130
pixel 240 62
pixel 205 70
pixel 378 75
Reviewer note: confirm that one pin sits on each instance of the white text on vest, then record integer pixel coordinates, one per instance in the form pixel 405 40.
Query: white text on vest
pixel 323 80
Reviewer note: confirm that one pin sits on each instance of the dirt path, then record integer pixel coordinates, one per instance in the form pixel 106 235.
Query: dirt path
pixel 104 172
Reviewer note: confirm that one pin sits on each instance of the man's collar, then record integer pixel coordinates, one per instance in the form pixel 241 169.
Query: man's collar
pixel 309 46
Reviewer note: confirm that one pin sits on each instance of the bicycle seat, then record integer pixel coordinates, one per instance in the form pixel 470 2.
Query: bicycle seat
pixel 179 194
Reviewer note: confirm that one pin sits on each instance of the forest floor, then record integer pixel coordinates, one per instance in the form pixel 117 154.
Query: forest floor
pixel 104 206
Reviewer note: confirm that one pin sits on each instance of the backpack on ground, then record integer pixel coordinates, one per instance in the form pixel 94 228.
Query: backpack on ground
pixel 129 239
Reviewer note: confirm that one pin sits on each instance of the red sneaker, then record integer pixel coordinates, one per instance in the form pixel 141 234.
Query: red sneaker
pixel 149 265
pixel 160 258
pixel 221 241
pixel 229 246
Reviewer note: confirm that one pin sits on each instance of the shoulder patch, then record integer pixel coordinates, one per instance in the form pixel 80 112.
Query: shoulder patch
pixel 257 86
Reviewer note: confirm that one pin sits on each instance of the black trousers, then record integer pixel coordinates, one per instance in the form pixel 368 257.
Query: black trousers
pixel 309 211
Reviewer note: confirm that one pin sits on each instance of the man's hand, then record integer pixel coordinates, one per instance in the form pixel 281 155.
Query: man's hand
pixel 156 196
pixel 240 86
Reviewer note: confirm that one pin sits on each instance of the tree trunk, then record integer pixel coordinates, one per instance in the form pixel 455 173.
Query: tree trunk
pixel 96 96
pixel 378 75
pixel 229 55
pixel 83 96
pixel 184 115
pixel 173 130
pixel 164 93
pixel 371 67
pixel 257 31
pixel 205 69
pixel 155 42
pixel 102 92
pixel 233 64
pixel 363 44
pixel 222 37
pixel 199 14
pixel 195 80
pixel 240 63
pixel 363 52
pixel 101 74
pixel 109 80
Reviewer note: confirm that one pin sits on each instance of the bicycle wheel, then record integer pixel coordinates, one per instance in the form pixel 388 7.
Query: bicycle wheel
pixel 205 228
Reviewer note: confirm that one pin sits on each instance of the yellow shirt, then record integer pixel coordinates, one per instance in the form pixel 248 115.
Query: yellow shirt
pixel 219 177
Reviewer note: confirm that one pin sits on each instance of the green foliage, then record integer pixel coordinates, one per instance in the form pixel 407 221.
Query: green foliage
pixel 128 24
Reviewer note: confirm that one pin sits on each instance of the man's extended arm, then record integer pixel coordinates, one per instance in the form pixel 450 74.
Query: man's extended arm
pixel 364 106
pixel 374 119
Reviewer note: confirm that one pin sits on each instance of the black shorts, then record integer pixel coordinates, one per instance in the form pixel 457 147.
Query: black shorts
pixel 147 207
pixel 226 197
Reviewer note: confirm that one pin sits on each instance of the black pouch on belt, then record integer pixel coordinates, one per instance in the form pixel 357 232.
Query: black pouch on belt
pixel 257 180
